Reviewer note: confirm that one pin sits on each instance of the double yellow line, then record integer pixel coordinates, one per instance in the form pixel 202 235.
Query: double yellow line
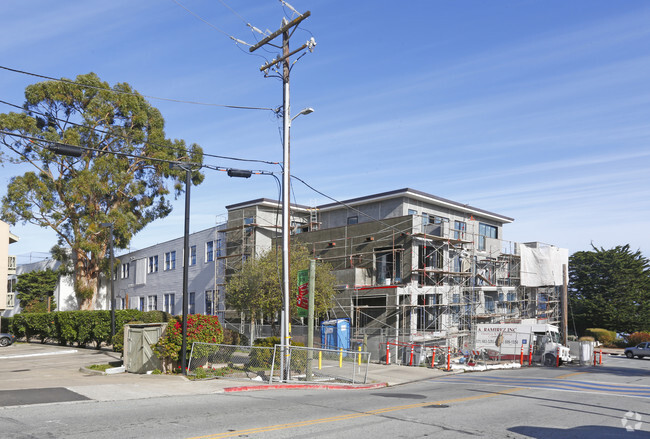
pixel 350 416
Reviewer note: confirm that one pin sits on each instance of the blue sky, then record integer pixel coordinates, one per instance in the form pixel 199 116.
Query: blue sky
pixel 537 110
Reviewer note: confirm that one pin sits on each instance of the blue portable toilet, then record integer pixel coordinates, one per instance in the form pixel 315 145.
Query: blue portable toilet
pixel 335 334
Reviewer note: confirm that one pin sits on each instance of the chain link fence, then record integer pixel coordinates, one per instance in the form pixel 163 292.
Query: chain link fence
pixel 256 363
pixel 316 365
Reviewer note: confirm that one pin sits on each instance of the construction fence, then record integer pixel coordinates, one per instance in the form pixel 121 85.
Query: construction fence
pixel 262 364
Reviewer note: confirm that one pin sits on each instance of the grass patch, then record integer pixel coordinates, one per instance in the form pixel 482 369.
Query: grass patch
pixel 100 367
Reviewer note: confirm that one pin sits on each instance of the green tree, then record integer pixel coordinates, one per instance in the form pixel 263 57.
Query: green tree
pixel 610 289
pixel 35 289
pixel 74 195
pixel 256 290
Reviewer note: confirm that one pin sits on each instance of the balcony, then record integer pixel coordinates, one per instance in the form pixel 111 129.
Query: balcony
pixel 12 265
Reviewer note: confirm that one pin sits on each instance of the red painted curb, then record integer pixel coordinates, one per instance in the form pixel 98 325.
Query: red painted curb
pixel 305 387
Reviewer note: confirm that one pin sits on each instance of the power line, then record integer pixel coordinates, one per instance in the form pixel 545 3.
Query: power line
pixel 145 142
pixel 125 154
pixel 180 101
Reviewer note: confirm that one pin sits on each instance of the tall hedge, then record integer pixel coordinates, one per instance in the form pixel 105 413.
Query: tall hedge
pixel 78 327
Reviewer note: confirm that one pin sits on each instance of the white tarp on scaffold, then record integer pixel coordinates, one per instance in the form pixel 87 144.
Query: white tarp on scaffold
pixel 542 266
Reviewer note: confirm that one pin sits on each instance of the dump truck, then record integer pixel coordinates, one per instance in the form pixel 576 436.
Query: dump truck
pixel 506 340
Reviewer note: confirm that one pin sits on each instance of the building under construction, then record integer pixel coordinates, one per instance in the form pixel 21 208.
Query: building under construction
pixel 411 267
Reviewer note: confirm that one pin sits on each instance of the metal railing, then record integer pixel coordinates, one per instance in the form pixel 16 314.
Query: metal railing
pixel 254 363
pixel 262 364
pixel 316 365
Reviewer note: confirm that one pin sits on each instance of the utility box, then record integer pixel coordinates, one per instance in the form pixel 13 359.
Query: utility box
pixel 335 334
pixel 138 354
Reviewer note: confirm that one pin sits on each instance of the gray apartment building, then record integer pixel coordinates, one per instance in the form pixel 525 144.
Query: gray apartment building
pixel 152 278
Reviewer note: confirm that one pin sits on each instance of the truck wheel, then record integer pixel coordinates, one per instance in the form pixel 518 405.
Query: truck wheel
pixel 549 360
pixel 629 354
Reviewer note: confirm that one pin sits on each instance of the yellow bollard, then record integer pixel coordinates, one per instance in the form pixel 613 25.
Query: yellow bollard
pixel 320 360
pixel 341 357
pixel 359 355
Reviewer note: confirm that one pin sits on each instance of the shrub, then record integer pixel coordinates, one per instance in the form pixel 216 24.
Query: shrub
pixel 30 325
pixel 156 317
pixel 637 337
pixel 66 328
pixel 604 336
pixel 200 328
pixel 234 338
pixel 118 338
pixel 586 338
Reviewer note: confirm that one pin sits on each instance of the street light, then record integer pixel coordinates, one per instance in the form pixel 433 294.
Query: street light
pixel 110 225
pixel 286 213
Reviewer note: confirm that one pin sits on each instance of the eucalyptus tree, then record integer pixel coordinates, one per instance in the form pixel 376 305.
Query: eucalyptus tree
pixel 115 180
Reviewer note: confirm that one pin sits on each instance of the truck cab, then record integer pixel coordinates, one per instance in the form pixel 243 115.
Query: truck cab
pixel 547 346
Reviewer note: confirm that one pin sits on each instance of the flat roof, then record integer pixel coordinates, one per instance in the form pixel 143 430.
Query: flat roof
pixel 423 196
pixel 263 201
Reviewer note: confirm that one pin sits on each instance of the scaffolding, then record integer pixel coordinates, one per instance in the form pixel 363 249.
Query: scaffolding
pixel 406 279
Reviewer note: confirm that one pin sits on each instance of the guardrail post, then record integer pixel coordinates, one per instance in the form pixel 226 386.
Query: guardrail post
pixel 340 357
pixel 320 360
pixel 600 360
pixel 359 362
pixel 433 358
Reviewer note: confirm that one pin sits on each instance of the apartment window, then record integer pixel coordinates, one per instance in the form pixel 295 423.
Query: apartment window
pixel 120 303
pixel 125 271
pixel 170 260
pixel 440 219
pixel 412 212
pixel 141 303
pixel 209 302
pixel 489 304
pixel 191 308
pixel 387 264
pixel 219 245
pixel 152 303
pixel 153 264
pixel 10 300
pixel 168 304
pixel 247 221
pixel 193 255
pixel 485 231
pixel 353 220
pixel 425 218
pixel 209 251
pixel 459 229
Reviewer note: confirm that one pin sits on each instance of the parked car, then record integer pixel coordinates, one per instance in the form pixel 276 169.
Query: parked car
pixel 641 350
pixel 6 339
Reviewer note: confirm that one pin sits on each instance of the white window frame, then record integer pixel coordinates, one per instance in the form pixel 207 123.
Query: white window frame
pixel 209 251
pixel 170 260
pixel 152 303
pixel 125 271
pixel 152 265
pixel 169 302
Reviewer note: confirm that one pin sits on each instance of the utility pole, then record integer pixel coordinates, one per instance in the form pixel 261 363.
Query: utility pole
pixel 286 31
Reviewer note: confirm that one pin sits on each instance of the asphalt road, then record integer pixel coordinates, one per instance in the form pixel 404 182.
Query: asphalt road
pixel 530 402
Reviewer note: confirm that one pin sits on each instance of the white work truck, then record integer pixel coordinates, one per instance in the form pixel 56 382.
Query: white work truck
pixel 506 340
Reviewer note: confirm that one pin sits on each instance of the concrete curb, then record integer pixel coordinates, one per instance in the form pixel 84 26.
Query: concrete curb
pixel 305 387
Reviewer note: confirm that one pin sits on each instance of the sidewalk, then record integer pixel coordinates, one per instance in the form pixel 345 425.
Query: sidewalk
pixel 36 366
